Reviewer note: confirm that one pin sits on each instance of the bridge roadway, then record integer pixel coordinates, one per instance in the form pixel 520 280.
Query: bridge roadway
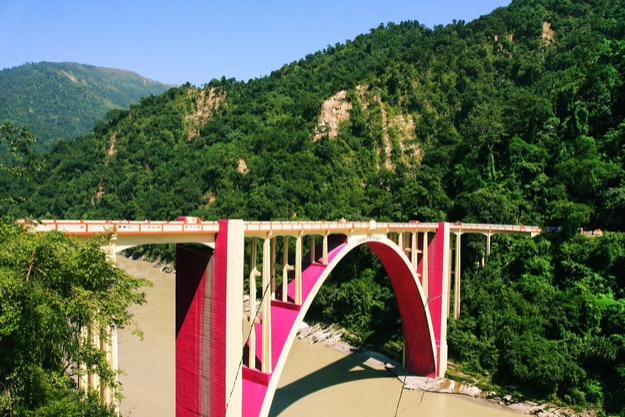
pixel 180 230
pixel 213 375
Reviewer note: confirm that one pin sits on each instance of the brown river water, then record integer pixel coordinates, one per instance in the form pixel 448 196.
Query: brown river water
pixel 317 380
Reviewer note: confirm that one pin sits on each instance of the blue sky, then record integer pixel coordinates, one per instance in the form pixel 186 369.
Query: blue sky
pixel 192 40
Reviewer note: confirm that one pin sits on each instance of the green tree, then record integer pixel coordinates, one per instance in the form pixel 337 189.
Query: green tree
pixel 17 146
pixel 53 289
pixel 18 161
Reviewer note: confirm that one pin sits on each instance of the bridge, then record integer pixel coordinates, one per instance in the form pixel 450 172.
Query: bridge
pixel 244 287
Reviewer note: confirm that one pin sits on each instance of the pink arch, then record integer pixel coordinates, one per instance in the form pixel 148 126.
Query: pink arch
pixel 420 348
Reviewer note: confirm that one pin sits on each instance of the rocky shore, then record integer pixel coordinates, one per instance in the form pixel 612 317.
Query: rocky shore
pixel 333 338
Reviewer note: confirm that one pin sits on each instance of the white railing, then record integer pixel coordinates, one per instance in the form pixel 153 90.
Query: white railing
pixel 91 227
pixel 494 228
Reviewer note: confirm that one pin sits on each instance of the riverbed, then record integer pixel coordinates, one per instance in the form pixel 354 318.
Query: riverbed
pixel 317 380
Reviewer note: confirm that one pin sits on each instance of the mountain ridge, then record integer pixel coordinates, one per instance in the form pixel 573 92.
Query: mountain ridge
pixel 63 100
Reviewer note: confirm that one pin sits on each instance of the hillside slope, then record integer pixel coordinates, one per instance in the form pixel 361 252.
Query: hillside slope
pixel 516 117
pixel 64 100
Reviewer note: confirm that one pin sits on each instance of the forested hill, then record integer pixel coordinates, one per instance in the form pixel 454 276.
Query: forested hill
pixel 64 100
pixel 516 117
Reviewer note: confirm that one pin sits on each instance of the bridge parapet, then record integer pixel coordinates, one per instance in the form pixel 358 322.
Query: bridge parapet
pixel 495 228
pixel 94 227
pixel 293 228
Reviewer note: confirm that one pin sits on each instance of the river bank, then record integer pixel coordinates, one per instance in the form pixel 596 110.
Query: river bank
pixel 332 338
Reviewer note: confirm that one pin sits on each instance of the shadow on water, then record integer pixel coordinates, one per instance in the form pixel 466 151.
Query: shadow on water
pixel 353 367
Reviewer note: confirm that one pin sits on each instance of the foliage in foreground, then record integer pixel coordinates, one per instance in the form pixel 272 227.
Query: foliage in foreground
pixel 52 288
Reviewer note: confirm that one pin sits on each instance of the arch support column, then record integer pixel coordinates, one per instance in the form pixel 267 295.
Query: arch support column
pixel 438 292
pixel 457 275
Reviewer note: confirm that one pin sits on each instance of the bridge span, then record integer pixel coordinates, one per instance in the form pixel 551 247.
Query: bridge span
pixel 244 287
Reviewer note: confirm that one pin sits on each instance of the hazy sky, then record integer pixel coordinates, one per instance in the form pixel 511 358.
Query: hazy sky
pixel 196 41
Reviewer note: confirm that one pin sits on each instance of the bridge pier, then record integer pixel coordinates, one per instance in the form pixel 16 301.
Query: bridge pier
pixel 208 325
pixel 457 272
pixel 487 250
pixel 438 264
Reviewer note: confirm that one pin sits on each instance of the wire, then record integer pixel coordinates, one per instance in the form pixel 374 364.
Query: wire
pixel 401 393
pixel 240 367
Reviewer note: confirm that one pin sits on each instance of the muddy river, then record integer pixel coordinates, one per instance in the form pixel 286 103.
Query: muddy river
pixel 317 380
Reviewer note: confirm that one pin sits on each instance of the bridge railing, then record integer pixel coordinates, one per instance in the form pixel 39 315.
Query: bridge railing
pixel 192 225
pixel 326 227
pixel 92 227
pixel 85 227
pixel 494 228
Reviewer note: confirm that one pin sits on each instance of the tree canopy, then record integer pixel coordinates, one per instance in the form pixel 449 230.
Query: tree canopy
pixel 54 289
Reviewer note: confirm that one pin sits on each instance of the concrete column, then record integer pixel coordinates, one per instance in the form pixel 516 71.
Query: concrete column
pixel 209 305
pixel 254 272
pixel 488 236
pixel 266 308
pixel 438 291
pixel 414 250
pixel 229 266
pixel 457 276
pixel 425 264
pixel 274 243
pixel 114 361
pixel 298 269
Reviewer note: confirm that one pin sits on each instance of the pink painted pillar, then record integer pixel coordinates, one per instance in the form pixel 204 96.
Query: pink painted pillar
pixel 438 292
pixel 208 325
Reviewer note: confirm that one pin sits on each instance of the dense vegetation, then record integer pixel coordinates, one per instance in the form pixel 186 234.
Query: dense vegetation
pixel 547 315
pixel 64 100
pixel 516 117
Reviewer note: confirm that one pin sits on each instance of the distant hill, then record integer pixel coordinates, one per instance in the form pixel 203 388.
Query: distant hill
pixel 64 100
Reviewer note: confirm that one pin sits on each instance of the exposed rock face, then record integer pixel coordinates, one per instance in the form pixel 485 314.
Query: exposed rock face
pixel 548 33
pixel 242 166
pixel 398 138
pixel 333 111
pixel 205 102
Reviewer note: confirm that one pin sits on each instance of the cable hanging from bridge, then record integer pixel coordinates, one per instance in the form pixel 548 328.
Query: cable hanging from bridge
pixel 406 367
pixel 252 328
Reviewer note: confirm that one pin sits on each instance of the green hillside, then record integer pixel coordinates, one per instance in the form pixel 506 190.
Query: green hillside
pixel 513 118
pixel 64 100
pixel 516 117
